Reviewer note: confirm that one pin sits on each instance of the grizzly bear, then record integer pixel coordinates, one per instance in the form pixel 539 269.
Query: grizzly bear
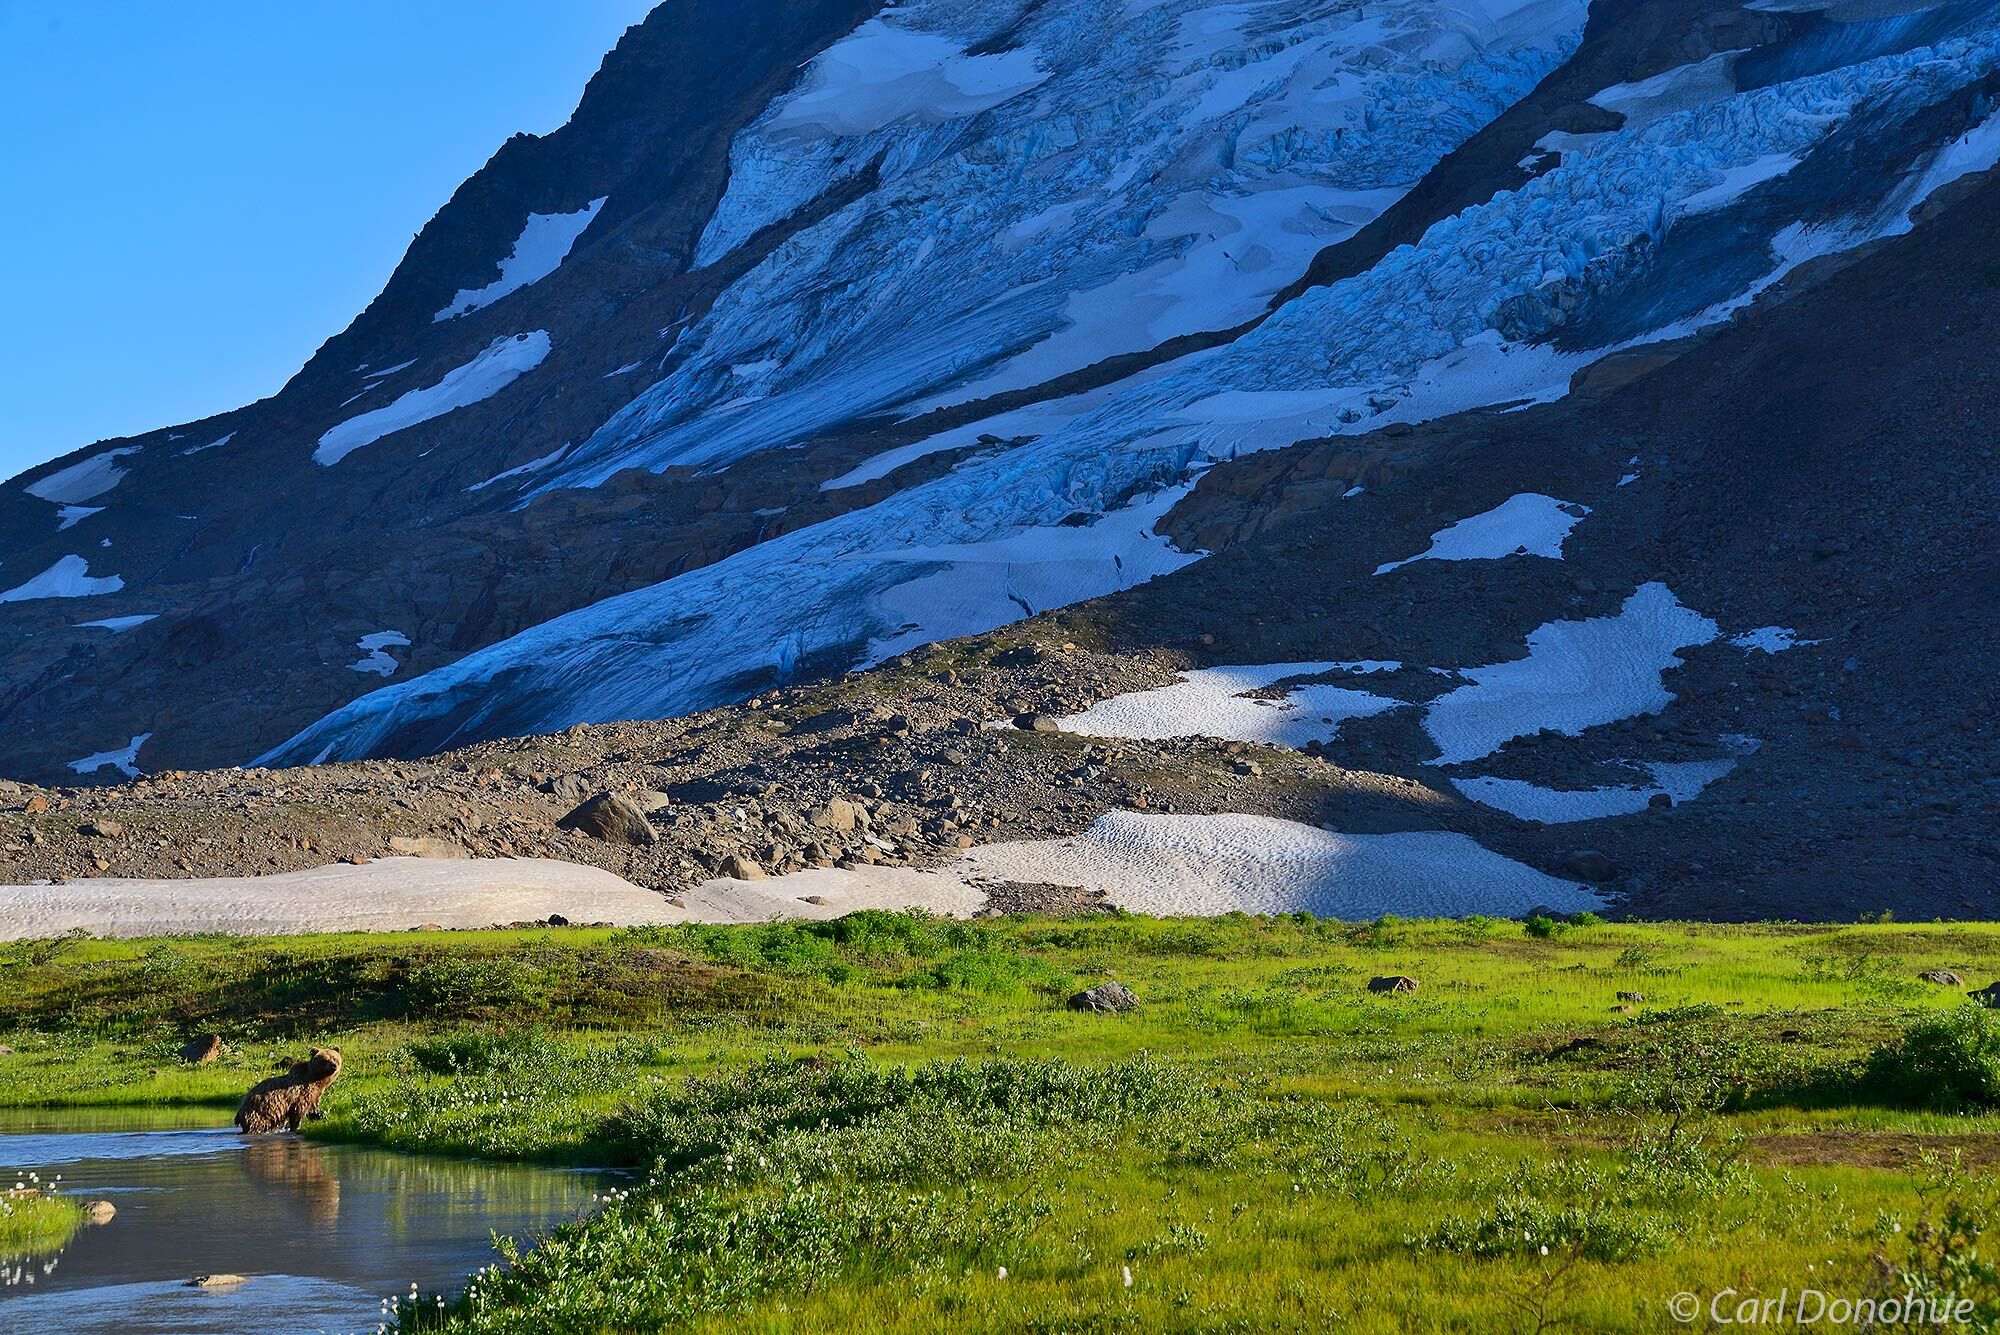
pixel 289 1099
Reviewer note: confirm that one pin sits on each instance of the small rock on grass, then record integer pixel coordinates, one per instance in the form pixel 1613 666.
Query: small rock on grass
pixel 1988 996
pixel 1941 977
pixel 1105 998
pixel 1397 983
pixel 199 1051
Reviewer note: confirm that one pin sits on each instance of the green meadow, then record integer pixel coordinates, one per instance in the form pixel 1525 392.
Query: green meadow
pixel 892 1122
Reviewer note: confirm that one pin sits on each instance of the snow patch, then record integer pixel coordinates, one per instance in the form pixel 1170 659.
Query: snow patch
pixel 1678 89
pixel 125 759
pixel 385 895
pixel 69 516
pixel 538 252
pixel 118 625
pixel 1529 524
pixel 1205 865
pixel 69 577
pixel 1738 181
pixel 1769 639
pixel 504 361
pixel 1577 675
pixel 840 891
pixel 212 445
pixel 377 661
pixel 1211 702
pixel 881 74
pixel 1680 780
pixel 83 481
pixel 520 470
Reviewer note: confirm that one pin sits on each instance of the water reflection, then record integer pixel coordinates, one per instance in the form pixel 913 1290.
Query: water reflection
pixel 320 1232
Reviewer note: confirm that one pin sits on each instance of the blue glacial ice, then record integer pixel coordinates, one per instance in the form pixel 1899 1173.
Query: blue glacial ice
pixel 993 229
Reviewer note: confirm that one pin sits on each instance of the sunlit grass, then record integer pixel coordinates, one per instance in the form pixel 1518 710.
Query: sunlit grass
pixel 1309 1154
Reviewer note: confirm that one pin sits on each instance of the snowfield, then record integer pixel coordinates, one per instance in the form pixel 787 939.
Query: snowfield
pixel 504 361
pixel 83 481
pixel 385 895
pixel 69 577
pixel 539 251
pixel 1577 674
pixel 1205 865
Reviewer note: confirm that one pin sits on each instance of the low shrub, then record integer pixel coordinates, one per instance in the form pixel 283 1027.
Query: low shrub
pixel 1948 1061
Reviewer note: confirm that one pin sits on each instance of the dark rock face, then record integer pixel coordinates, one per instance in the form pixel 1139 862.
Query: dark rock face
pixel 288 1100
pixel 1105 998
pixel 613 819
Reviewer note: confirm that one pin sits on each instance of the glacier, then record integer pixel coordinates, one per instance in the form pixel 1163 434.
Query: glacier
pixel 951 271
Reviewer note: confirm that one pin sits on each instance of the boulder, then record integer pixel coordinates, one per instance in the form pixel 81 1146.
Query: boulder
pixel 649 801
pixel 213 1282
pixel 1988 996
pixel 1105 998
pixel 288 1100
pixel 102 829
pixel 568 787
pixel 839 814
pixel 100 1212
pixel 613 819
pixel 739 868
pixel 424 846
pixel 1037 723
pixel 199 1051
pixel 1634 997
pixel 1393 983
pixel 1589 865
pixel 1941 977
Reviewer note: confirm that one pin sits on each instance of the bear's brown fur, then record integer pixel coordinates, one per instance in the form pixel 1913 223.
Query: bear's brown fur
pixel 289 1099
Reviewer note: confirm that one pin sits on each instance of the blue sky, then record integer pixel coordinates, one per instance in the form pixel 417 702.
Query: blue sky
pixel 197 194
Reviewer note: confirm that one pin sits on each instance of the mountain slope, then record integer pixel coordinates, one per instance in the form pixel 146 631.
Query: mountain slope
pixel 875 329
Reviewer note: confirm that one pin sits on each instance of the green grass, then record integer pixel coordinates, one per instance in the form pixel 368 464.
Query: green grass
pixel 861 1123
pixel 34 1222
